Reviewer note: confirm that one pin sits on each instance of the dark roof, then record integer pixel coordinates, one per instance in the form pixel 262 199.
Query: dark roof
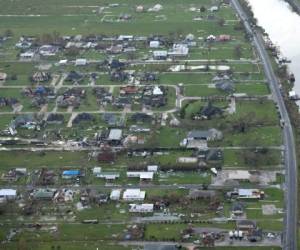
pixel 237 206
pixel 199 134
pixel 209 110
pixel 140 117
pixel 74 76
pixel 246 223
pixel 83 117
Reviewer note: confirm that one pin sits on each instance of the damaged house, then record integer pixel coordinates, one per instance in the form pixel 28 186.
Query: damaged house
pixel 40 76
pixel 208 112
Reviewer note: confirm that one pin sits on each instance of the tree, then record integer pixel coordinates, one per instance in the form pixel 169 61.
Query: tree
pixel 22 245
pixel 202 9
pixel 8 33
pixel 238 51
pixel 221 22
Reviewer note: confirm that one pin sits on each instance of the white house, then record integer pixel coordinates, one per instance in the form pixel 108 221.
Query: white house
pixel 96 170
pixel 63 62
pixel 109 176
pixel 179 50
pixel 134 194
pixel 154 44
pixel 250 194
pixel 125 38
pixel 214 8
pixel 27 55
pixel 152 168
pixel 141 208
pixel 115 194
pixel 160 54
pixel 8 194
pixel 141 175
pixel 80 62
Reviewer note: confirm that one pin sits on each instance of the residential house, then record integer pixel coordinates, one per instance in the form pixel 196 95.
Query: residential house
pixel 143 176
pixel 154 44
pixel 115 136
pixel 134 194
pixel 152 168
pixel 43 194
pixel 115 194
pixel 3 76
pixel 28 55
pixel 71 174
pixel 245 194
pixel 54 118
pixel 8 194
pixel 246 225
pixel 81 62
pixel 108 176
pixel 238 209
pixel 179 50
pixel 141 208
pixel 48 50
pixel 160 54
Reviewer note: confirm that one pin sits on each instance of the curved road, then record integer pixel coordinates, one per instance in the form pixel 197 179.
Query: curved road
pixel 290 234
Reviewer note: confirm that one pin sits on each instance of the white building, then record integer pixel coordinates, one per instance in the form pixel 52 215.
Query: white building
pixel 8 194
pixel 27 55
pixel 115 135
pixel 80 62
pixel 134 195
pixel 160 54
pixel 108 176
pixel 152 168
pixel 141 208
pixel 179 50
pixel 250 194
pixel 96 170
pixel 115 194
pixel 141 175
pixel 125 38
pixel 154 44
pixel 63 62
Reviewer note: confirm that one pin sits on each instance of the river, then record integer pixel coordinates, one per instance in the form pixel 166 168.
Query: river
pixel 283 27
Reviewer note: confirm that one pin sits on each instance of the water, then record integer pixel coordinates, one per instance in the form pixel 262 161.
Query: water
pixel 283 27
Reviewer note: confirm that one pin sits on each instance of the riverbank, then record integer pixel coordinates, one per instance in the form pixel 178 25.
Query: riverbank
pixel 295 5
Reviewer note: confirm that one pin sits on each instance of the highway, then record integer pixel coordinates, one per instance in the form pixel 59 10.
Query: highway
pixel 290 233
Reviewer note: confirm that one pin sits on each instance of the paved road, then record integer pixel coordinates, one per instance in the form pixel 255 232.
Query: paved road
pixel 290 236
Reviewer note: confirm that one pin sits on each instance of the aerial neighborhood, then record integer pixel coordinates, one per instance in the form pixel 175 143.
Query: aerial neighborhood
pixel 123 126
